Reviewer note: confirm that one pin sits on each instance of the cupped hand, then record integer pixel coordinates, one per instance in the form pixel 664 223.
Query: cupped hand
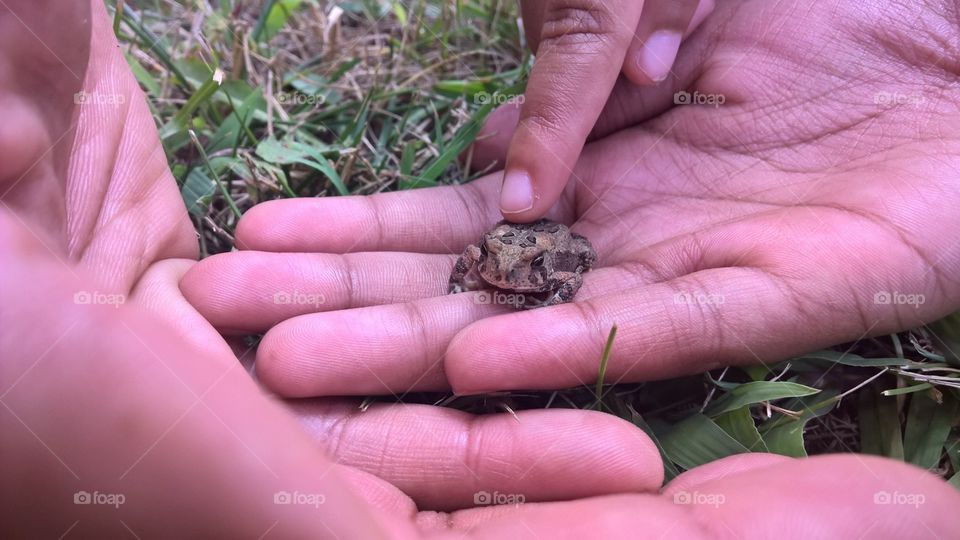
pixel 815 205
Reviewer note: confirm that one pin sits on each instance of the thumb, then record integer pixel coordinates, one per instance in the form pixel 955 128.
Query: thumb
pixel 582 45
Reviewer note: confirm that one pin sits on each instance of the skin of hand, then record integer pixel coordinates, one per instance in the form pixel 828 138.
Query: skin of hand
pixel 583 49
pixel 112 385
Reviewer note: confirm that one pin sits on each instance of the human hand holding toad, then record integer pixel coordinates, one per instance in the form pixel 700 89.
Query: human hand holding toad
pixel 733 234
pixel 145 399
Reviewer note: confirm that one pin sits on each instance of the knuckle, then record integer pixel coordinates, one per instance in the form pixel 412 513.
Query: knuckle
pixel 580 24
pixel 543 123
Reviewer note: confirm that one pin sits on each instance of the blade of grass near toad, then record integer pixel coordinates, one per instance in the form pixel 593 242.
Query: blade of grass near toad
pixel 907 389
pixel 604 358
pixel 173 133
pixel 945 334
pixel 464 137
pixel 757 392
pixel 849 359
pixel 740 425
pixel 288 152
pixel 154 43
pixel 927 429
pixel 273 17
pixel 880 425
pixel 216 177
pixel 784 435
pixel 697 440
pixel 670 470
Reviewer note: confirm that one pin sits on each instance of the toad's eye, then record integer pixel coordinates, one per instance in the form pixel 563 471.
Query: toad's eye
pixel 538 261
pixel 483 249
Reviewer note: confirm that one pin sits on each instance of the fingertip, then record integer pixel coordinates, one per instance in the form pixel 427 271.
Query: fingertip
pixel 624 459
pixel 491 355
pixel 525 197
pixel 516 193
pixel 194 286
pixel 465 375
pixel 273 366
pixel 651 62
pixel 254 224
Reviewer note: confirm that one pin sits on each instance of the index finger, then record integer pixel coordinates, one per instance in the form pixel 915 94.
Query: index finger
pixel 582 45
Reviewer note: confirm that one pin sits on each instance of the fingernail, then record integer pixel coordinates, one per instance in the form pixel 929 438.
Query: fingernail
pixel 658 54
pixel 704 8
pixel 516 195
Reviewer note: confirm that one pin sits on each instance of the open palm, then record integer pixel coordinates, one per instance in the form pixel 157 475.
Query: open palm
pixel 804 210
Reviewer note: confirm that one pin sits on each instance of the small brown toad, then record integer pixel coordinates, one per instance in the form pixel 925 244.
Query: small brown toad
pixel 539 264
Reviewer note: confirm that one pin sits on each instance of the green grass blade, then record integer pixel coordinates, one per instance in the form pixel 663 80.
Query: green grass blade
pixel 196 191
pixel 927 429
pixel 849 359
pixel 907 389
pixel 604 359
pixel 880 425
pixel 740 425
pixel 223 188
pixel 784 435
pixel 289 152
pixel 181 121
pixel 945 334
pixel 154 44
pixel 118 16
pixel 698 440
pixel 757 392
pixel 670 471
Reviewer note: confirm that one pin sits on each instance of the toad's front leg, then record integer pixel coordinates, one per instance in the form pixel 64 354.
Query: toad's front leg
pixel 465 263
pixel 569 285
